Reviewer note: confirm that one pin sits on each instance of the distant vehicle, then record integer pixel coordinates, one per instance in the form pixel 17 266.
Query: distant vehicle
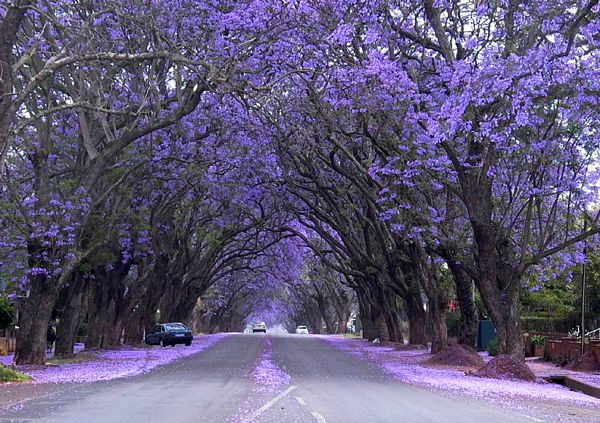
pixel 302 330
pixel 169 334
pixel 259 327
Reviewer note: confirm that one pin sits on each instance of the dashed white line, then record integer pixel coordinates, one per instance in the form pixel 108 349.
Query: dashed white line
pixel 535 419
pixel 300 400
pixel 272 402
pixel 318 417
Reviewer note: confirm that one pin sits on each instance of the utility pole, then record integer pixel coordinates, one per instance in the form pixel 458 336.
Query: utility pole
pixel 583 302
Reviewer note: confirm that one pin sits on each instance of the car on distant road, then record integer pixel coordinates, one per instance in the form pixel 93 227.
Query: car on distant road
pixel 166 334
pixel 302 330
pixel 259 327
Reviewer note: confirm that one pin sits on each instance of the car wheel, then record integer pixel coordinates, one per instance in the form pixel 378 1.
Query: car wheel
pixel 187 344
pixel 163 343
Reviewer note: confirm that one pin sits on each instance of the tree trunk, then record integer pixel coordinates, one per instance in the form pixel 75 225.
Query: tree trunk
pixel 506 319
pixel 464 294
pixel 468 312
pixel 499 288
pixel 134 329
pixel 390 315
pixel 34 315
pixel 416 321
pixel 181 310
pixel 10 25
pixel 197 313
pixel 440 330
pixel 325 314
pixel 368 325
pixel 343 314
pixel 381 326
pixel 71 317
pixel 114 333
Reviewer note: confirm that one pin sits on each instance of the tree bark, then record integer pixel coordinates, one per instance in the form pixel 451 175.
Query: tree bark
pixel 104 324
pixel 439 340
pixel 468 311
pixel 416 320
pixel 34 315
pixel 10 26
pixel 71 318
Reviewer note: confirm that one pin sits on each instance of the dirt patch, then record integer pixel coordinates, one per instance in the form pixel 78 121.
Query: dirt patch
pixel 407 347
pixel 587 363
pixel 506 367
pixel 457 355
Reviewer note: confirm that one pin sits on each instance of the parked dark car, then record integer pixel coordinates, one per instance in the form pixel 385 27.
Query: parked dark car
pixel 169 334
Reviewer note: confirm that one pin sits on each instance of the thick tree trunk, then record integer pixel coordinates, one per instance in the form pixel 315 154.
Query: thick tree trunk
pixel 368 325
pixel 379 319
pixel 325 314
pixel 197 313
pixel 390 315
pixel 499 288
pixel 468 311
pixel 114 335
pixel 134 329
pixel 99 314
pixel 71 317
pixel 34 315
pixel 108 308
pixel 506 319
pixel 416 320
pixel 343 315
pixel 181 310
pixel 464 293
pixel 381 326
pixel 439 340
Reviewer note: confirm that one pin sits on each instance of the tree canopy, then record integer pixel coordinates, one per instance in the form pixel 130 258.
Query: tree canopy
pixel 222 161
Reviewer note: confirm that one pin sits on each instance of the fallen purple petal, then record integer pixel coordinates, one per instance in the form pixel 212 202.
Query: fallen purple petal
pixel 119 363
pixel 405 365
pixel 267 374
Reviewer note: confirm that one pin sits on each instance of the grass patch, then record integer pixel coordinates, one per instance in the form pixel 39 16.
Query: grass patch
pixel 77 358
pixel 352 336
pixel 10 375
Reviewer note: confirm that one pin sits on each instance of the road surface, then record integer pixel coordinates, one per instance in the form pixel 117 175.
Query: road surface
pixel 327 385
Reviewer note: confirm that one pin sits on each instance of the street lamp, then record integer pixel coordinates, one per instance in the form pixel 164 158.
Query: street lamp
pixel 583 302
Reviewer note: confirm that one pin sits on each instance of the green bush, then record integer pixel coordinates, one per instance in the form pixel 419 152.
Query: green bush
pixel 538 340
pixel 547 324
pixel 494 347
pixel 10 375
pixel 6 313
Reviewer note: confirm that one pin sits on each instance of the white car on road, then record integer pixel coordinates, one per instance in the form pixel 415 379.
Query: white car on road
pixel 259 327
pixel 302 330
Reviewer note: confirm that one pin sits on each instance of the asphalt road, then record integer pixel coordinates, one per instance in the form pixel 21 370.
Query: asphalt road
pixel 327 385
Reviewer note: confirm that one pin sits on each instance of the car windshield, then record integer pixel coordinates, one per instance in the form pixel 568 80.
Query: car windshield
pixel 301 327
pixel 175 326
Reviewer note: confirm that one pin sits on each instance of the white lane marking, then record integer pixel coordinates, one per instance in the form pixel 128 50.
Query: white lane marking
pixel 272 402
pixel 535 419
pixel 300 400
pixel 318 417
